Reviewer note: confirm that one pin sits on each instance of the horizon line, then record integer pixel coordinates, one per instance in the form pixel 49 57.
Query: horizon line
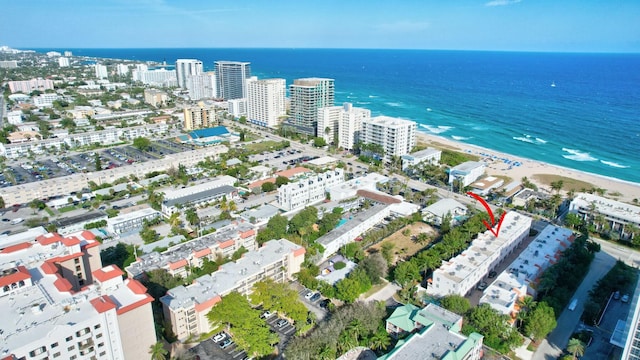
pixel 340 48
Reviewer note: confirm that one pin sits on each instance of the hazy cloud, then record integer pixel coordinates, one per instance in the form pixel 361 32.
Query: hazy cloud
pixel 403 26
pixel 501 2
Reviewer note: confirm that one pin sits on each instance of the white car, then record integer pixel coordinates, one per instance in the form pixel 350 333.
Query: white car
pixel 267 314
pixel 308 295
pixel 219 337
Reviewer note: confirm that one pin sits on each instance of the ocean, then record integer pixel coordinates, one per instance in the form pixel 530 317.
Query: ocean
pixel 580 111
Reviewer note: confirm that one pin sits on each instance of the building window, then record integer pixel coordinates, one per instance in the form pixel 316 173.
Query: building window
pixel 103 353
pixel 98 336
pixel 73 357
pixel 76 261
pixel 78 268
pixel 97 327
pixel 70 348
pixel 56 355
pixel 69 338
pixel 54 345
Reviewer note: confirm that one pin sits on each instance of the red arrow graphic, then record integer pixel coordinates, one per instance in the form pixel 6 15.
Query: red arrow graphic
pixel 493 221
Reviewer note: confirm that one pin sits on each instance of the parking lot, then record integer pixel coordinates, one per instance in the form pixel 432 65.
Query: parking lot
pixel 220 346
pixel 281 159
pixel 312 305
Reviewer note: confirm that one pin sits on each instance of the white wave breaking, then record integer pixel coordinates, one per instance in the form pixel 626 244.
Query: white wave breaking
pixel 529 139
pixel 578 155
pixel 373 96
pixel 436 129
pixel 460 138
pixel 394 104
pixel 542 141
pixel 614 164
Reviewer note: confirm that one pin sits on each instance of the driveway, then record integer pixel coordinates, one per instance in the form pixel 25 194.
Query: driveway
pixel 553 345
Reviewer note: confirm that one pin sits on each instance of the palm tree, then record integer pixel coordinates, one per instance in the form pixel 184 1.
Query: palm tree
pixel 232 206
pixel 575 347
pixel 557 186
pixel 157 351
pixel 379 341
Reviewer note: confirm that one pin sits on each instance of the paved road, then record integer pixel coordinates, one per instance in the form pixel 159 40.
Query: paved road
pixel 2 110
pixel 552 346
pixel 629 256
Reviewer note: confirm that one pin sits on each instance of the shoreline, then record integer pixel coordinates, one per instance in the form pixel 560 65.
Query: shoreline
pixel 529 168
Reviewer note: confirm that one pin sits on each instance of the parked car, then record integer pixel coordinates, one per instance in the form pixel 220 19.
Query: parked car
pixel 225 344
pixel 315 297
pixel 483 285
pixel 281 323
pixel 308 295
pixel 492 274
pixel 625 298
pixel 616 295
pixel 219 337
pixel 267 314
pixel 325 303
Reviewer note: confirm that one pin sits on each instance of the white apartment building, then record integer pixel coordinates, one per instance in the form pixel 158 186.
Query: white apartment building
pixel 307 96
pixel 14 117
pixel 237 107
pixel 202 86
pixel 341 124
pixel 459 275
pixel 132 221
pixel 210 191
pixel 266 101
pixel 58 302
pixel 467 172
pixel 435 213
pixel 628 337
pixel 155 97
pixel 178 259
pixel 396 136
pixel 308 190
pixel 62 186
pixel 63 61
pixel 617 213
pixel 8 64
pixel 186 307
pixel 122 69
pixel 516 281
pixel 27 86
pixel 429 155
pixel 159 77
pixel 186 68
pixel 101 71
pixel 485 185
pixel 44 100
pixel 350 125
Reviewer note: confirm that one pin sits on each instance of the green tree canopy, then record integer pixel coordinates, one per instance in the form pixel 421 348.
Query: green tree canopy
pixel 142 143
pixel 456 303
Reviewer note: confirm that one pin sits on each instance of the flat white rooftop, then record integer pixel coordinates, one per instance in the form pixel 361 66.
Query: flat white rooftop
pixel 608 207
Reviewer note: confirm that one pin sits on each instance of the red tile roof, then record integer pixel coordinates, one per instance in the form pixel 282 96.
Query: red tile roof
pixel 70 241
pixel 247 233
pixel 103 304
pixel 107 273
pixel 298 252
pixel 178 264
pixel 62 284
pixel 20 274
pixel 49 268
pixel 17 247
pixel 136 286
pixel 147 299
pixel 226 244
pixel 49 238
pixel 292 172
pixel 202 253
pixel 259 183
pixel 88 235
pixel 379 197
pixel 208 304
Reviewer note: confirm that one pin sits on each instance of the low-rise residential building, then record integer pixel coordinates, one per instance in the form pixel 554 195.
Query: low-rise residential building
pixel 434 213
pixel 63 186
pixel 186 307
pixel 179 258
pixel 460 274
pixel 427 156
pixel 45 100
pixel 27 86
pixel 68 225
pixel 261 214
pixel 308 190
pixel 59 302
pixel 210 191
pixel 525 195
pixel 617 213
pixel 349 189
pixel 520 278
pixel 434 332
pixel 467 172
pixel 132 221
pixel 485 185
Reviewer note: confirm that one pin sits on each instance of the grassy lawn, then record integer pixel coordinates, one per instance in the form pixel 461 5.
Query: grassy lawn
pixel 404 247
pixel 67 209
pixel 374 289
pixel 261 146
pixel 49 211
pixel 507 180
pixel 567 183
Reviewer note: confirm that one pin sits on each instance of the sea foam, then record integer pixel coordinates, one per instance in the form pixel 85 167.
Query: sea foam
pixel 578 155
pixel 614 164
pixel 436 129
pixel 459 138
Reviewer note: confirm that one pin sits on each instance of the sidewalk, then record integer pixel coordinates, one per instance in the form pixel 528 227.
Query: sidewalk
pixel 522 352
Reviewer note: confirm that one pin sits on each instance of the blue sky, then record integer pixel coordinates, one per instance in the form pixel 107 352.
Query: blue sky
pixel 520 25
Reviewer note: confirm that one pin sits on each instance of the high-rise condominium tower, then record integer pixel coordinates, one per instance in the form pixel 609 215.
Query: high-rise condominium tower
pixel 231 79
pixel 186 67
pixel 307 96
pixel 266 101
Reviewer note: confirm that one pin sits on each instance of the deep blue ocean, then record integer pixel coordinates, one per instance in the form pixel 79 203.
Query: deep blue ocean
pixel 589 121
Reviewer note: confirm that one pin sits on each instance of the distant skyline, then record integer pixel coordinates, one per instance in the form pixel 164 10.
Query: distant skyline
pixel 505 25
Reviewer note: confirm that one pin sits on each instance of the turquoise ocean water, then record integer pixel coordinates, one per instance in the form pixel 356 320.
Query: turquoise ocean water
pixel 589 121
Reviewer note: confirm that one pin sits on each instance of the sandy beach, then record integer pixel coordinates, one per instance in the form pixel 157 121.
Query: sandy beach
pixel 534 170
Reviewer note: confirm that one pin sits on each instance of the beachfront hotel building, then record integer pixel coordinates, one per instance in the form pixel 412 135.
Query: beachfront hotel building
pixel 434 331
pixel 429 155
pixel 520 278
pixel 266 101
pixel 210 191
pixel 617 213
pixel 307 96
pixel 467 172
pixel 396 136
pixel 186 68
pixel 341 124
pixel 460 274
pixel 186 307
pixel 231 79
pixel 308 190
pixel 59 302
pixel 198 117
pixel 178 259
pixel 27 86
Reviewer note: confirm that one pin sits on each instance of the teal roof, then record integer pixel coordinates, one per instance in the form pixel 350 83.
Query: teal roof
pixel 209 132
pixel 402 317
